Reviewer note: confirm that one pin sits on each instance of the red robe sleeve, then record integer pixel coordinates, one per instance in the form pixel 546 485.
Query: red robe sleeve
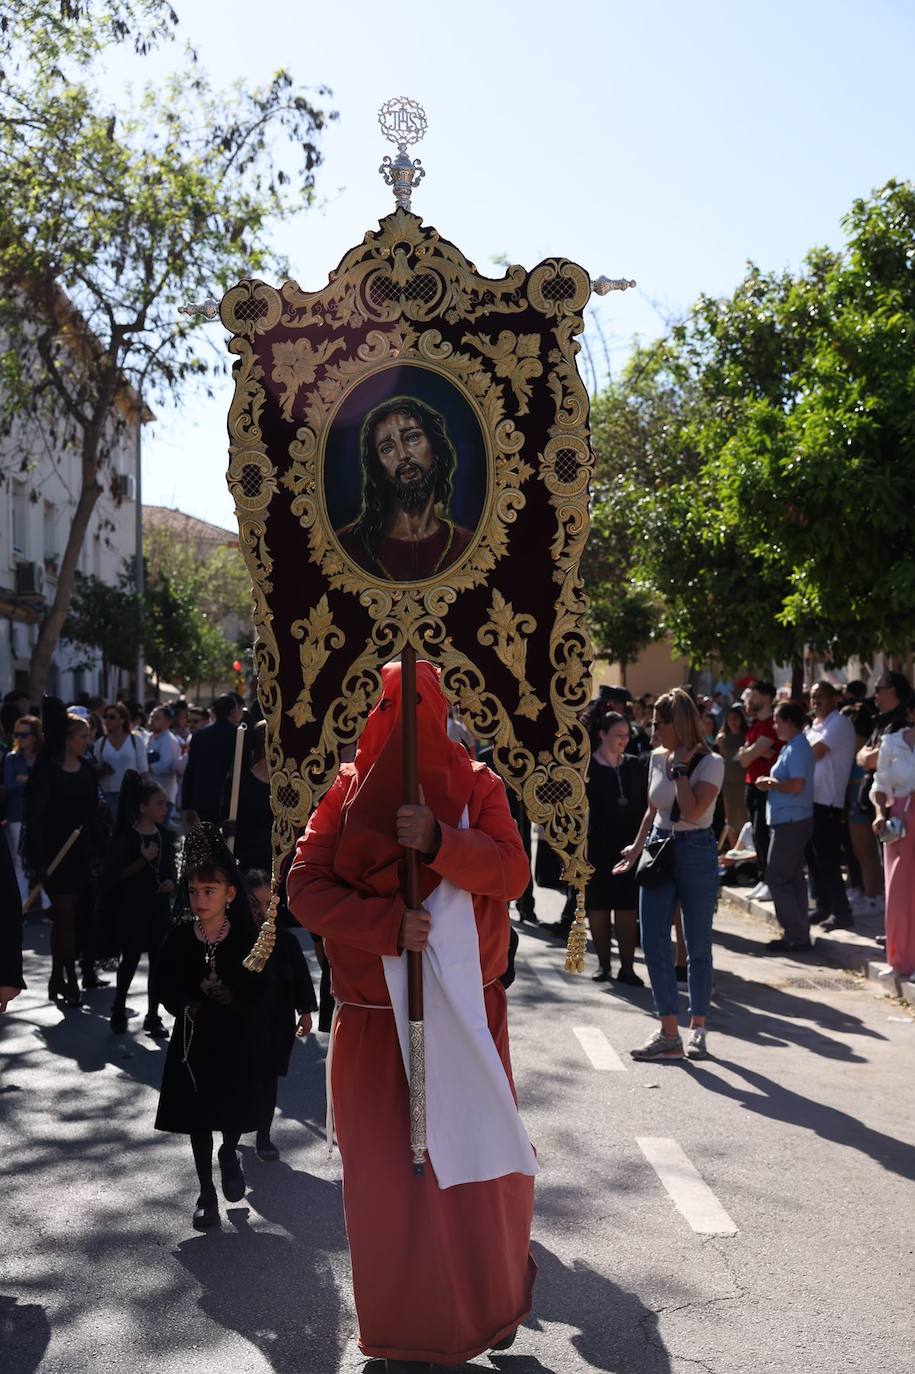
pixel 327 907
pixel 489 859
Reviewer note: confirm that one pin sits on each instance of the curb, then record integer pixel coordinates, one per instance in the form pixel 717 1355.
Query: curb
pixel 848 953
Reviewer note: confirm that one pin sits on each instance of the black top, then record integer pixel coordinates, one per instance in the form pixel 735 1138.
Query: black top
pixel 617 801
pixel 209 758
pixel 227 1047
pixel 56 803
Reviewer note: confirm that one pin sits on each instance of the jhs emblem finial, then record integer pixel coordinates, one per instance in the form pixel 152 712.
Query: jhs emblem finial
pixel 403 121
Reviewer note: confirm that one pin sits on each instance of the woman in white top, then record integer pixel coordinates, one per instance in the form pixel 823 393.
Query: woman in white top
pixel 118 751
pixel 684 780
pixel 893 794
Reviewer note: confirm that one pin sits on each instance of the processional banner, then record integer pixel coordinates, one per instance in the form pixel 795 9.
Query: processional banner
pixel 410 462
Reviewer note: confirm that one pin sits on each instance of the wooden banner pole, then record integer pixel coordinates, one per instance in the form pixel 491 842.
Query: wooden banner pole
pixel 411 895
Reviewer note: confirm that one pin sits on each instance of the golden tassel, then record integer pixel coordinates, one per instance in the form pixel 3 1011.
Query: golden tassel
pixel 263 945
pixel 578 936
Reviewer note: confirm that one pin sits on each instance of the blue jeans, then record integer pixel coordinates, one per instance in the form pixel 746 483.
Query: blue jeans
pixel 695 887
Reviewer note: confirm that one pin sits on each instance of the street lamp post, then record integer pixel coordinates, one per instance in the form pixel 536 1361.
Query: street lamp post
pixel 140 581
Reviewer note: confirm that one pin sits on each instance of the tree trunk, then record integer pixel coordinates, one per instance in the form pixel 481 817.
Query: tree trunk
pixel 53 623
pixel 797 677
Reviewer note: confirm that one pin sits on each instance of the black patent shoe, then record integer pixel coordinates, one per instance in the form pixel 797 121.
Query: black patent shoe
pixel 232 1175
pixel 153 1026
pixel 506 1342
pixel 206 1213
pixel 630 978
pixel 601 976
pixel 91 980
pixel 266 1150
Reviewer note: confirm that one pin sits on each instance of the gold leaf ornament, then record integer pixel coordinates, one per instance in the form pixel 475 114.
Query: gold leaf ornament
pixel 319 635
pixel 504 632
pixel 296 363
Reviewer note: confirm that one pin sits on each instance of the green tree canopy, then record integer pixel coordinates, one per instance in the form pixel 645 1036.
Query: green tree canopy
pixel 110 218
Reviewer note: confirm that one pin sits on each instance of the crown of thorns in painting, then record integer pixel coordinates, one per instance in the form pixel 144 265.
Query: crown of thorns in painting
pixel 410 463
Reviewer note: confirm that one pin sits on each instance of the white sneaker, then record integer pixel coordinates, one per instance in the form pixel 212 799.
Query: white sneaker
pixel 889 972
pixel 754 892
pixel 762 894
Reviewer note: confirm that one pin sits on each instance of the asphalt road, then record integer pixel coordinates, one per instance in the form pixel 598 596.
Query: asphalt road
pixel 749 1214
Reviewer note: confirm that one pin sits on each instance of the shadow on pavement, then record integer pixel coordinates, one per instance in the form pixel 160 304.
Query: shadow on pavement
pixel 768 1015
pixel 277 1291
pixel 771 1099
pixel 616 1331
pixel 24 1335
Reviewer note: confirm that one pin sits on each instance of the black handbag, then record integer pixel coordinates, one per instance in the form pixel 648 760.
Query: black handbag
pixel 656 866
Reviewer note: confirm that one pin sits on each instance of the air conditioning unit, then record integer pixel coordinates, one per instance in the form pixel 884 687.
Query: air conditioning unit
pixel 29 579
pixel 127 486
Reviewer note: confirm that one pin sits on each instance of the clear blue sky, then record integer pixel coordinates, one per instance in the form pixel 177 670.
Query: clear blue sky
pixel 664 141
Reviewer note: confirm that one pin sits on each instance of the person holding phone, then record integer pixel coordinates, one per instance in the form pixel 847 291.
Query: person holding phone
pixel 684 781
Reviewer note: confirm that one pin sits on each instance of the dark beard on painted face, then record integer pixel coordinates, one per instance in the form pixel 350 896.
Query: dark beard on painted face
pixel 414 494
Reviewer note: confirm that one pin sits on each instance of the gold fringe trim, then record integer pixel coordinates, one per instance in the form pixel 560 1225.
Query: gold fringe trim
pixel 256 961
pixel 578 937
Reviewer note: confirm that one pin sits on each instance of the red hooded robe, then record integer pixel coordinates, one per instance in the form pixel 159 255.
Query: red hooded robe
pixel 439 1275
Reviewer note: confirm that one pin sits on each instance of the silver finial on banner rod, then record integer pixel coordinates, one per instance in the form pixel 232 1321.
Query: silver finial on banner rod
pixel 602 285
pixel 403 122
pixel 209 309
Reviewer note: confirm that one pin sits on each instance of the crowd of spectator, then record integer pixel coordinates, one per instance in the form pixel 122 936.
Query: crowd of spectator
pixel 812 791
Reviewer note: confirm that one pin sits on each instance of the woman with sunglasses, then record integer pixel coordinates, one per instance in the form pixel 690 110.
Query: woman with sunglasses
pixel 122 748
pixel 684 780
pixel 17 766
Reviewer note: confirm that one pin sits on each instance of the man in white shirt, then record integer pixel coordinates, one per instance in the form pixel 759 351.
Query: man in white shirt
pixel 832 739
pixel 164 753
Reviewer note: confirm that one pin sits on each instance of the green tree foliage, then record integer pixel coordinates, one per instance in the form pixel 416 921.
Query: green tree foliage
pixel 110 218
pixel 103 619
pixel 182 644
pixel 218 581
pixel 756 469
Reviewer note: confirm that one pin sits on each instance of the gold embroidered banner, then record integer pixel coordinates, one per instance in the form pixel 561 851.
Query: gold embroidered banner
pixel 410 462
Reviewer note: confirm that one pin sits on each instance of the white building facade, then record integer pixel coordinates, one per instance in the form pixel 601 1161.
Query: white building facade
pixel 39 488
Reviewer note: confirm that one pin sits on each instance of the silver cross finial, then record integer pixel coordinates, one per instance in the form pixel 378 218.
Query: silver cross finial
pixel 403 122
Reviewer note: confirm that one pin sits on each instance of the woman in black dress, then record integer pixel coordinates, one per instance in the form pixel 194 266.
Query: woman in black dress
pixel 617 797
pixel 138 885
pixel 62 795
pixel 216 1056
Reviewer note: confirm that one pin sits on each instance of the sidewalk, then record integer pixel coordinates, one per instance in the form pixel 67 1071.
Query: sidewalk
pixel 851 949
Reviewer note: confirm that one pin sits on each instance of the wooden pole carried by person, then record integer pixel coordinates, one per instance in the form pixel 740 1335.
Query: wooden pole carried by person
pixel 417 1042
pixel 53 866
pixel 236 782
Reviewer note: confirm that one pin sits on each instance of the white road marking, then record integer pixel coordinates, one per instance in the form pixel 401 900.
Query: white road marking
pixel 598 1049
pixel 691 1195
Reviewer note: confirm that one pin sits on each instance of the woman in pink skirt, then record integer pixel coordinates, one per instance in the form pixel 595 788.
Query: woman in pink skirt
pixel 894 795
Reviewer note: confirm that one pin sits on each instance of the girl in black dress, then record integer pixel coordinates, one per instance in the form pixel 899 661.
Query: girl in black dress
pixel 220 1045
pixel 138 885
pixel 292 1000
pixel 617 797
pixel 62 796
